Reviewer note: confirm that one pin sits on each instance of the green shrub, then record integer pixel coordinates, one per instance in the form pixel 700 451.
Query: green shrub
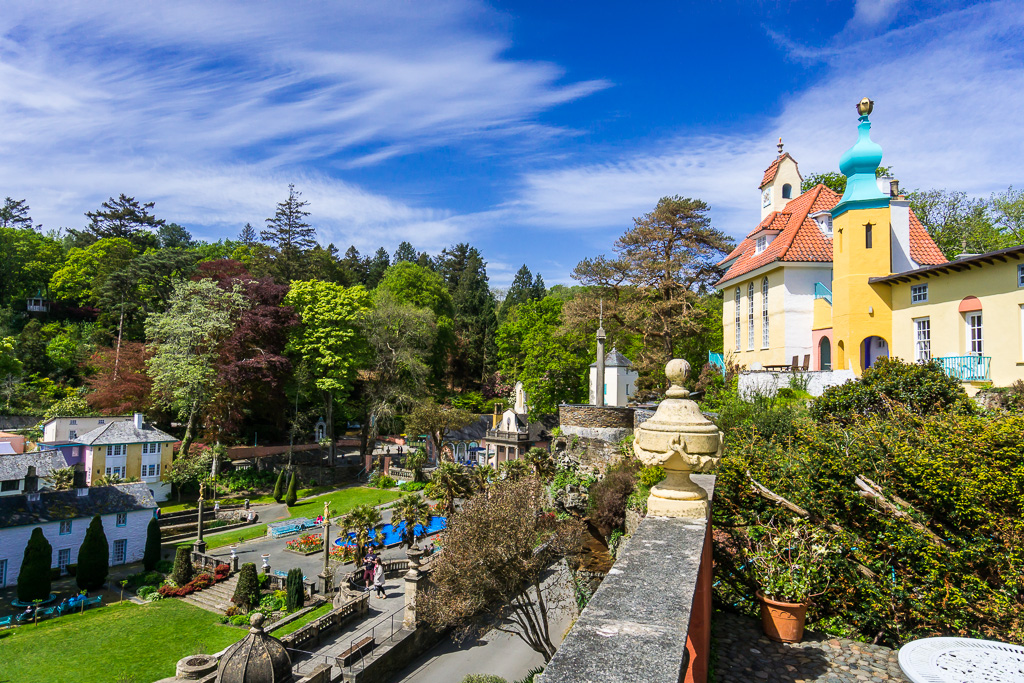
pixel 484 678
pixel 785 392
pixel 382 481
pixel 922 388
pixel 291 498
pixel 183 571
pixel 608 499
pixel 72 569
pixel 296 590
pixel 279 487
pixel 34 577
pixel 164 566
pixel 531 675
pixel 93 557
pixel 239 620
pixel 411 486
pixel 650 475
pixel 152 552
pixel 247 590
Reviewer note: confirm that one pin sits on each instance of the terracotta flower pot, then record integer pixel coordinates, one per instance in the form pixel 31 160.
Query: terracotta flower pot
pixel 782 621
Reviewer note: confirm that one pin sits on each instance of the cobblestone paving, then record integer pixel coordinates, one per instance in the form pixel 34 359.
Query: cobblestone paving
pixel 745 655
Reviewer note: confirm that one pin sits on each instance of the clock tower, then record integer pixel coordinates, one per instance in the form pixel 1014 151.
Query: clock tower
pixel 780 184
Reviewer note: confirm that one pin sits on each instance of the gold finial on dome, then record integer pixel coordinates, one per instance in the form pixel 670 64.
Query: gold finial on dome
pixel 865 106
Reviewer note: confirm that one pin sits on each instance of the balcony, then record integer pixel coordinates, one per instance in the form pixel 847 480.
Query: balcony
pixel 966 368
pixel 822 292
pixel 502 435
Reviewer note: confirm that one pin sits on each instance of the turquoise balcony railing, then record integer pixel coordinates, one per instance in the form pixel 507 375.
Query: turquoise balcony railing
pixel 822 292
pixel 966 368
pixel 718 360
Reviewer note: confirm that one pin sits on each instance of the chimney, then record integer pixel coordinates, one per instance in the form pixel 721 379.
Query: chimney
pixel 894 188
pixel 138 420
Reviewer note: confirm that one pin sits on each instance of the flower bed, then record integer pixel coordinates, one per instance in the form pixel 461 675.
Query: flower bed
pixel 306 545
pixel 343 554
pixel 200 582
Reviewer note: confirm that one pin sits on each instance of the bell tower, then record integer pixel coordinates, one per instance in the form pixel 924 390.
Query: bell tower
pixel 781 183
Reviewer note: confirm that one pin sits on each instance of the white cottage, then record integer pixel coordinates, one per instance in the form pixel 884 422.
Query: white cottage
pixel 619 380
pixel 125 510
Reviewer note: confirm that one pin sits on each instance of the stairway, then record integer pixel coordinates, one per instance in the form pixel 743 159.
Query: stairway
pixel 216 598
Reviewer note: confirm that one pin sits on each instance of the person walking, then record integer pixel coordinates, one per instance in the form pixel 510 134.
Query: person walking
pixel 368 569
pixel 378 580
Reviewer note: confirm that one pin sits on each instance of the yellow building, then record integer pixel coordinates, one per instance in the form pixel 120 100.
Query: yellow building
pixel 831 283
pixel 131 448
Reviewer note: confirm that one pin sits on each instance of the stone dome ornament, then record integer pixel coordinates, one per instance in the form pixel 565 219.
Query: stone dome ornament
pixel 257 658
pixel 682 441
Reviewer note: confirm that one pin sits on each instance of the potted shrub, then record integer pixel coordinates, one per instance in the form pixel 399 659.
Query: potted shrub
pixel 789 565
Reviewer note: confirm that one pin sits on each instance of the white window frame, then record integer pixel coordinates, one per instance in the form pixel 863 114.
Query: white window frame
pixel 975 334
pixel 150 468
pixel 63 560
pixel 1020 275
pixel 121 519
pixel 761 244
pixel 825 225
pixel 151 449
pixel 72 433
pixel 921 295
pixel 764 313
pixel 922 339
pixel 739 331
pixel 750 316
pixel 121 543
pixel 64 524
pixel 117 450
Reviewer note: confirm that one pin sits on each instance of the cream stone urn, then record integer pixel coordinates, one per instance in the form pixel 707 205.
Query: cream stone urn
pixel 682 441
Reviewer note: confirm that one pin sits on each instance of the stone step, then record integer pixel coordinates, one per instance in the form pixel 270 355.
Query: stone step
pixel 216 598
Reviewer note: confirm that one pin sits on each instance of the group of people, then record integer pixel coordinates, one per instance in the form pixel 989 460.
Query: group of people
pixel 373 573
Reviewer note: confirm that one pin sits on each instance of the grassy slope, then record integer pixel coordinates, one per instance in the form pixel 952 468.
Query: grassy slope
pixel 341 502
pixel 299 623
pixel 122 641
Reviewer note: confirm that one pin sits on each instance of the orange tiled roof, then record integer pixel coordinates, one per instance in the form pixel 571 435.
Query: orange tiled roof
pixel 773 168
pixel 800 240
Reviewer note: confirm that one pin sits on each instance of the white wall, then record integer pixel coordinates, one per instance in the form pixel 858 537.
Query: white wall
pixel 14 539
pixel 798 305
pixel 621 384
pixel 768 383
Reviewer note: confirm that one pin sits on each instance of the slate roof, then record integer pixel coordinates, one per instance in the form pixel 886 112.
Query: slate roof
pixel 54 506
pixel 16 466
pixel 123 432
pixel 475 431
pixel 799 238
pixel 614 359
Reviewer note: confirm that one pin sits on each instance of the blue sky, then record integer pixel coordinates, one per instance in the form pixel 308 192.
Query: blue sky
pixel 534 130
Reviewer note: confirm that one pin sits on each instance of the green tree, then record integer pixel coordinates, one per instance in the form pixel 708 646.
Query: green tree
pixel 475 322
pixel 354 267
pixel 62 478
pixel 151 556
pixel 1008 213
pixel 376 268
pixel 173 236
pixel 296 591
pixel 185 342
pixel 836 181
pixel 405 252
pixel 448 483
pixel 435 420
pixel 72 405
pixel 188 469
pixel 247 590
pixel 413 284
pixel 551 360
pixel 34 577
pixel 415 461
pixel 247 235
pixel 292 496
pixel 290 234
pixel 15 214
pixel 86 270
pixel 482 476
pixel 28 260
pixel 542 463
pixel 124 217
pixel 279 487
pixel 328 340
pixel 663 264
pixel 411 510
pixel 183 571
pixel 362 521
pixel 956 222
pixel 93 557
pixel 525 287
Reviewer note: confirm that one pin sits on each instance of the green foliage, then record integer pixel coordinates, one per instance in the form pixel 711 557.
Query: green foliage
pixel 483 678
pixel 292 497
pixel 85 271
pixel 34 577
pixel 789 562
pixel 152 553
pixel 609 496
pixel 411 509
pixel 921 388
pixel 650 475
pixel 415 461
pixel 247 590
pixel 542 463
pixel 183 571
pixel 295 589
pixel 532 674
pixel 279 487
pixel 836 181
pixel 411 486
pixel 447 483
pixel 413 284
pixel 93 557
pixel 380 480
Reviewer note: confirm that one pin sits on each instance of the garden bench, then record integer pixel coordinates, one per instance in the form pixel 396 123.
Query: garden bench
pixel 356 652
pixel 45 612
pixel 89 602
pixel 6 621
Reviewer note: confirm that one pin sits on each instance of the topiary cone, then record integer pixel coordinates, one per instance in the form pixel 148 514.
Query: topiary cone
pixel 93 557
pixel 279 487
pixel 34 577
pixel 292 496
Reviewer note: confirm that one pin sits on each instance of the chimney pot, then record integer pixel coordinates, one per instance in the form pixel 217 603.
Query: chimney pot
pixel 138 420
pixel 894 188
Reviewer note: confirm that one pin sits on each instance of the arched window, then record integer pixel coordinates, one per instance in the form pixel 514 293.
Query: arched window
pixel 787 191
pixel 750 317
pixel 738 337
pixel 764 313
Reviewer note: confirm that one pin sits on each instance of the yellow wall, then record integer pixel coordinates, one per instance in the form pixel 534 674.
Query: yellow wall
pixel 859 309
pixel 822 315
pixel 133 460
pixel 1002 317
pixel 776 351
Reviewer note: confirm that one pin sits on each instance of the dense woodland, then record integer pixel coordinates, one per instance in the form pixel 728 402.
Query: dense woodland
pixel 256 337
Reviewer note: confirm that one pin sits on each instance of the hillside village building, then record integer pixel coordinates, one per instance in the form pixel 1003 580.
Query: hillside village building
pixel 129 448
pixel 833 283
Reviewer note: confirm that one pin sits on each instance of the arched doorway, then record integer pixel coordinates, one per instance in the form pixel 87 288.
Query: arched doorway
pixel 825 354
pixel 871 349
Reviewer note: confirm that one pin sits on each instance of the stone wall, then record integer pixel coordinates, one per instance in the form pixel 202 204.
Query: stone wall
pixel 595 417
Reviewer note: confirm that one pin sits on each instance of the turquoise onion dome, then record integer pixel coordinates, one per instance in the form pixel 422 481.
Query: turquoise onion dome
pixel 858 164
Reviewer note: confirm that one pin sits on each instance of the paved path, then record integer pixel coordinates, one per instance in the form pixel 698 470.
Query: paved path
pixel 745 655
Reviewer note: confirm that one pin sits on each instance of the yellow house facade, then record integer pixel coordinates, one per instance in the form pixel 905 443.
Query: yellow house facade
pixel 131 448
pixel 828 283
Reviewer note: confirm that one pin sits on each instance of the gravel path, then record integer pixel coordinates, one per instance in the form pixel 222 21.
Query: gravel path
pixel 745 655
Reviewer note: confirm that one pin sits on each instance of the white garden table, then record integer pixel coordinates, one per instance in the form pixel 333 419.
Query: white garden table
pixel 962 660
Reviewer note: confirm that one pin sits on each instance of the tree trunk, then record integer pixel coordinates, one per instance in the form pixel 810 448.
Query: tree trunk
pixel 120 330
pixel 330 427
pixel 186 441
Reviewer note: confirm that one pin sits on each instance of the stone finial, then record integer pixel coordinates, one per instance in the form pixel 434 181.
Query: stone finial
pixel 682 441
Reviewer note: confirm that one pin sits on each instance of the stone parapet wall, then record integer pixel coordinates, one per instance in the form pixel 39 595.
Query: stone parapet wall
pixel 595 417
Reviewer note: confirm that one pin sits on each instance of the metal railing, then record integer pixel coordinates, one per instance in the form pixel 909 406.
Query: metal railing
pixel 966 368
pixel 386 624
pixel 822 292
pixel 507 436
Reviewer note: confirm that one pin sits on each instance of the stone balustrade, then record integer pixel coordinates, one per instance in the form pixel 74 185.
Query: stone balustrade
pixel 311 633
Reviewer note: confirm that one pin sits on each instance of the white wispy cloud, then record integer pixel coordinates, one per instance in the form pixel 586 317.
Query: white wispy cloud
pixel 948 90
pixel 211 108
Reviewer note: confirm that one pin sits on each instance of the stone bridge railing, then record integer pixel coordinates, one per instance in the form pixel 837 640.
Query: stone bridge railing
pixel 312 632
pixel 650 618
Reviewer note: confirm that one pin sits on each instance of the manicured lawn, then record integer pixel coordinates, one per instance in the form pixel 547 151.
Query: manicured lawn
pixel 299 623
pixel 174 506
pixel 341 502
pixel 122 641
